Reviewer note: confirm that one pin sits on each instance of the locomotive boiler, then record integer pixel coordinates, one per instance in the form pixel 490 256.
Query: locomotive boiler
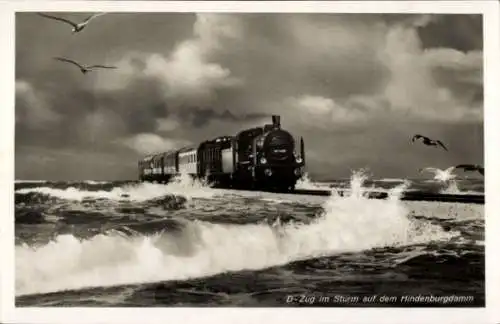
pixel 265 157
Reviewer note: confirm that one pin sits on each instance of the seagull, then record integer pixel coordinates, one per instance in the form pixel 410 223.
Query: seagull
pixel 84 69
pixel 471 167
pixel 77 27
pixel 427 141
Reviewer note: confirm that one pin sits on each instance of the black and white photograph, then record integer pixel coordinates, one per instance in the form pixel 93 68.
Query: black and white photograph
pixel 249 158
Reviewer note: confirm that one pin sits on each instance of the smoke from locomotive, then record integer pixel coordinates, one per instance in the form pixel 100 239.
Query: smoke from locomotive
pixel 257 158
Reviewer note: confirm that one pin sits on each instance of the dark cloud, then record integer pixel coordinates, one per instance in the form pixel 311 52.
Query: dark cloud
pixel 460 32
pixel 355 86
pixel 199 117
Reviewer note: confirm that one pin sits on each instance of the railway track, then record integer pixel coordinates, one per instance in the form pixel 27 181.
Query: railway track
pixel 408 196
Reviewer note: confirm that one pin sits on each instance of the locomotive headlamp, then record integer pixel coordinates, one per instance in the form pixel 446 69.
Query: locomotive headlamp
pixel 263 160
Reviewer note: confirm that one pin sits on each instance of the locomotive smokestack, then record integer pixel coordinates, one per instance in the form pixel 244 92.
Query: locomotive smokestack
pixel 276 121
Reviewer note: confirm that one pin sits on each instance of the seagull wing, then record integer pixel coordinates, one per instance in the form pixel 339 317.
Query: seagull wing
pixel 442 145
pixel 89 18
pixel 58 18
pixel 62 59
pixel 417 136
pixel 102 66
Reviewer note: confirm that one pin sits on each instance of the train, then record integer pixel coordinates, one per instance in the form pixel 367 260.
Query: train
pixel 265 157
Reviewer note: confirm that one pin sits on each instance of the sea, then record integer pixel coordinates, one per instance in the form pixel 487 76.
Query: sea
pixel 185 244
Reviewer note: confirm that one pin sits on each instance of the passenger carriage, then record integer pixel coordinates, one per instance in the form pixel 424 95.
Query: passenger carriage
pixel 188 161
pixel 157 167
pixel 170 165
pixel 145 169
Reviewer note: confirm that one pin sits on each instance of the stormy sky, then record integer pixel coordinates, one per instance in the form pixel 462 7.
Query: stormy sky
pixel 357 87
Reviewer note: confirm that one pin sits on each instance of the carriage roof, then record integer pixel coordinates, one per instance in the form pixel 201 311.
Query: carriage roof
pixel 157 157
pixel 188 148
pixel 168 153
pixel 217 141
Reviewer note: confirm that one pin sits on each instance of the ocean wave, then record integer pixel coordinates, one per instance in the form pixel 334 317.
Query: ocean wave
pixel 128 255
pixel 132 192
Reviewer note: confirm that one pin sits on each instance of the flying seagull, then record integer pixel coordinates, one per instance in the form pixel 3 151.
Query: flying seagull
pixel 427 141
pixel 77 27
pixel 471 167
pixel 84 69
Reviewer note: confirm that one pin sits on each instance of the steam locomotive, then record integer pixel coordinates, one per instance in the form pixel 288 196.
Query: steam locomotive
pixel 256 158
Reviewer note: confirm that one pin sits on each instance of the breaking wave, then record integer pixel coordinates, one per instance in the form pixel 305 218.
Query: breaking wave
pixel 306 183
pixel 182 185
pixel 198 249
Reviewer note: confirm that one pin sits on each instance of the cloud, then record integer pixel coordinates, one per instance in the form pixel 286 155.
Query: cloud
pixel 31 107
pixel 318 111
pixel 167 124
pixel 462 32
pixel 423 20
pixel 357 82
pixel 147 143
pixel 100 126
pixel 413 88
pixel 453 68
pixel 186 74
pixel 449 58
